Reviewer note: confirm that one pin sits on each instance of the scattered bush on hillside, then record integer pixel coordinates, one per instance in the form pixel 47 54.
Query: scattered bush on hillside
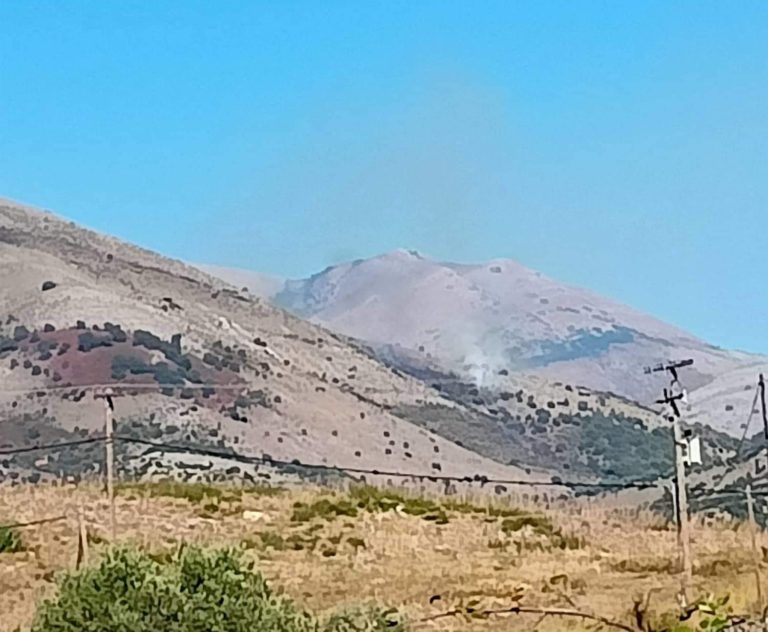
pixel 171 350
pixel 162 371
pixel 188 591
pixel 88 341
pixel 164 374
pixel 123 365
pixel 7 344
pixel 118 335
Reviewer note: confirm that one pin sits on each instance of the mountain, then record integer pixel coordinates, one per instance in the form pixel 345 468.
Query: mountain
pixel 193 361
pixel 197 363
pixel 499 315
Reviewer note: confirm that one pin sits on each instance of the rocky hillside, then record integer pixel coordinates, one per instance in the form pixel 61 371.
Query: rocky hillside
pixel 197 361
pixel 480 319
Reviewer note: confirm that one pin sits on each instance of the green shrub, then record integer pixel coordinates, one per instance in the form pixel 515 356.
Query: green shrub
pixel 272 540
pixel 195 493
pixel 541 525
pixel 323 508
pixel 88 341
pixel 10 540
pixel 369 619
pixel 191 591
pixel 371 499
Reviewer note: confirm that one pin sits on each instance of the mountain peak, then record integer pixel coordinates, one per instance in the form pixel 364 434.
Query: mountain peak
pixel 403 254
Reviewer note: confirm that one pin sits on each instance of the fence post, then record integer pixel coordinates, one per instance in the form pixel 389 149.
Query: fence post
pixel 82 538
pixel 753 534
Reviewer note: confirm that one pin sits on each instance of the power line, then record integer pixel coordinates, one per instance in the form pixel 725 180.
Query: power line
pixel 32 523
pixel 266 460
pixel 749 421
pixel 50 446
pixel 128 386
pixel 734 461
pixel 477 478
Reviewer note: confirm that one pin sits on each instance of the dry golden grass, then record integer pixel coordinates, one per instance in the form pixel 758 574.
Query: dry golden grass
pixel 385 557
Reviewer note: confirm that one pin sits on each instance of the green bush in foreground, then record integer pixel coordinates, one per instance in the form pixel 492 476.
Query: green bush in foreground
pixel 10 540
pixel 193 591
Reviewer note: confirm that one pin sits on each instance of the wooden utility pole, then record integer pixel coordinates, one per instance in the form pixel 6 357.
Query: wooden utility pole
pixel 109 408
pixel 82 539
pixel 753 534
pixel 683 520
pixel 673 493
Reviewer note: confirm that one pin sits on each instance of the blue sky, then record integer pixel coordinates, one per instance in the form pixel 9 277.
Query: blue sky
pixel 621 146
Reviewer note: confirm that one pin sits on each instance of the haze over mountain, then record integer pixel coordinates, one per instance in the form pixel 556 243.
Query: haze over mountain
pixel 499 315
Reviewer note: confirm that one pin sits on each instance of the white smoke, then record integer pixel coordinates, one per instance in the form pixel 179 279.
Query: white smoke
pixel 481 356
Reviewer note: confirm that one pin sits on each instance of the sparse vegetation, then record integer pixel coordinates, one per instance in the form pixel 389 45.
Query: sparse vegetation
pixel 376 500
pixel 211 498
pixel 324 508
pixel 195 493
pixel 608 444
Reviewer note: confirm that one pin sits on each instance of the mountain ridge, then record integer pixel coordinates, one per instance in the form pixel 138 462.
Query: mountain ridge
pixel 200 363
pixel 478 318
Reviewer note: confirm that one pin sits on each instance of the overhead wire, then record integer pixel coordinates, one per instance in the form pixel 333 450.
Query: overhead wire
pixel 737 453
pixel 269 461
pixel 126 386
pixel 50 446
pixel 265 460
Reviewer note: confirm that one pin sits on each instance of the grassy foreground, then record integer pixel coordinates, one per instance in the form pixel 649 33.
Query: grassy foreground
pixel 368 550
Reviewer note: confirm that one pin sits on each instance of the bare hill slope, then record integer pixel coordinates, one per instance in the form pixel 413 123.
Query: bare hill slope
pixel 480 319
pixel 78 308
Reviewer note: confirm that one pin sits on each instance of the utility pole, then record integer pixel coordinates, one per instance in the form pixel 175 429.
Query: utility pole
pixel 683 522
pixel 761 388
pixel 82 538
pixel 109 408
pixel 753 533
pixel 673 494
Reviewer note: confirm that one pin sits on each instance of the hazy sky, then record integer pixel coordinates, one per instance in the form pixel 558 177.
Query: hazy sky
pixel 619 145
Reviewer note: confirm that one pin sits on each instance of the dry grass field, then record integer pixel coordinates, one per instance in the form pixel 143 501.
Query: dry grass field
pixel 328 549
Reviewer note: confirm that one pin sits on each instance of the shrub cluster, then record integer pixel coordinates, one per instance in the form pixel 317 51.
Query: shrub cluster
pixel 190 591
pixel 171 350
